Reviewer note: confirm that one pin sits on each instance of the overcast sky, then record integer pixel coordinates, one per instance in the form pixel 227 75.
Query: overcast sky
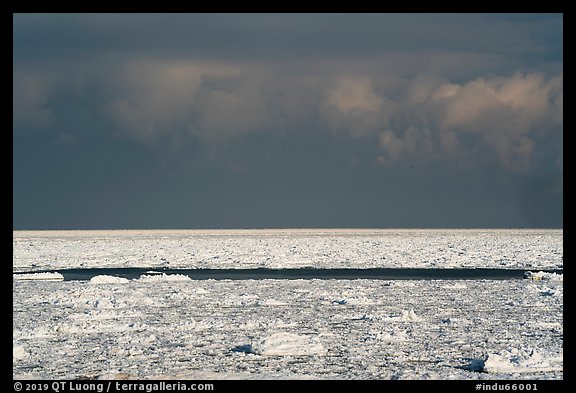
pixel 287 120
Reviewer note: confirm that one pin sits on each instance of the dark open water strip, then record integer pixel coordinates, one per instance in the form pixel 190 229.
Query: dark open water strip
pixel 305 273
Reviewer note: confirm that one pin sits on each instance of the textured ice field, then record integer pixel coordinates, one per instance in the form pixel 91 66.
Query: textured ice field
pixel 531 249
pixel 174 327
pixel 169 326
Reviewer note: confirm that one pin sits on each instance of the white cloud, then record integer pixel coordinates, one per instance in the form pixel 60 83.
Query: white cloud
pixel 414 143
pixel 353 106
pixel 424 117
pixel 391 144
pixel 505 113
pixel 354 95
pixel 210 100
pixel 445 91
pixel 429 117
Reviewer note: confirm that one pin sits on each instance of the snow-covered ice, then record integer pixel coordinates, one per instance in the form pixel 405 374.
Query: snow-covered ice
pixel 164 277
pixel 50 276
pixel 522 361
pixel 18 353
pixel 239 329
pixel 289 344
pixel 168 326
pixel 330 248
pixel 105 279
pixel 544 276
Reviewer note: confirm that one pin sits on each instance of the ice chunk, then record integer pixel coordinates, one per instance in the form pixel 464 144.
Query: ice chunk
pixel 104 279
pixel 66 329
pixel 150 339
pixel 545 291
pixel 544 276
pixel 397 335
pixel 406 316
pixel 520 361
pixel 18 353
pixel 272 302
pixel 164 277
pixel 458 285
pixel 409 316
pixel 50 276
pixel 201 291
pixel 289 344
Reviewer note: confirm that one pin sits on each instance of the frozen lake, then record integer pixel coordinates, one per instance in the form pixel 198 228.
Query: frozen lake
pixel 167 325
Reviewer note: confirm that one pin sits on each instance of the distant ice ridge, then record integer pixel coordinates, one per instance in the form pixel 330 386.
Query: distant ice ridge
pixel 337 248
pixel 105 279
pixel 164 277
pixel 49 276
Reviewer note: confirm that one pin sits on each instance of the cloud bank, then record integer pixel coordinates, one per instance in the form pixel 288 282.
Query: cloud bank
pixel 426 117
pixel 373 117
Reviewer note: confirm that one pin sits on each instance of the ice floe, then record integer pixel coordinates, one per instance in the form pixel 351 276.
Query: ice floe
pixel 250 328
pixel 48 276
pixel 405 316
pixel 544 276
pixel 168 326
pixel 521 361
pixel 410 316
pixel 164 278
pixel 18 353
pixel 104 279
pixel 338 248
pixel 289 344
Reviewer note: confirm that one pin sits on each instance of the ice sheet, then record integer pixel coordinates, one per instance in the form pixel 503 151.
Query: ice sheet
pixel 168 326
pixel 49 276
pixel 346 248
pixel 258 329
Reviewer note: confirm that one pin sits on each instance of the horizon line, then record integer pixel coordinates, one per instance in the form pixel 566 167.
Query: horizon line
pixel 287 229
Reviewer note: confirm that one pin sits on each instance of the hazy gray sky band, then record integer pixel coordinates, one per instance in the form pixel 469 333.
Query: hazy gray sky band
pixel 250 120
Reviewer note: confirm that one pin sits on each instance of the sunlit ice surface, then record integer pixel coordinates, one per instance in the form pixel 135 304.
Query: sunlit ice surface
pixel 169 326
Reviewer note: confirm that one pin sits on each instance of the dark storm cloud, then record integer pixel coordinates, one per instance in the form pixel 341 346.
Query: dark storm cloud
pixel 211 120
pixel 281 36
